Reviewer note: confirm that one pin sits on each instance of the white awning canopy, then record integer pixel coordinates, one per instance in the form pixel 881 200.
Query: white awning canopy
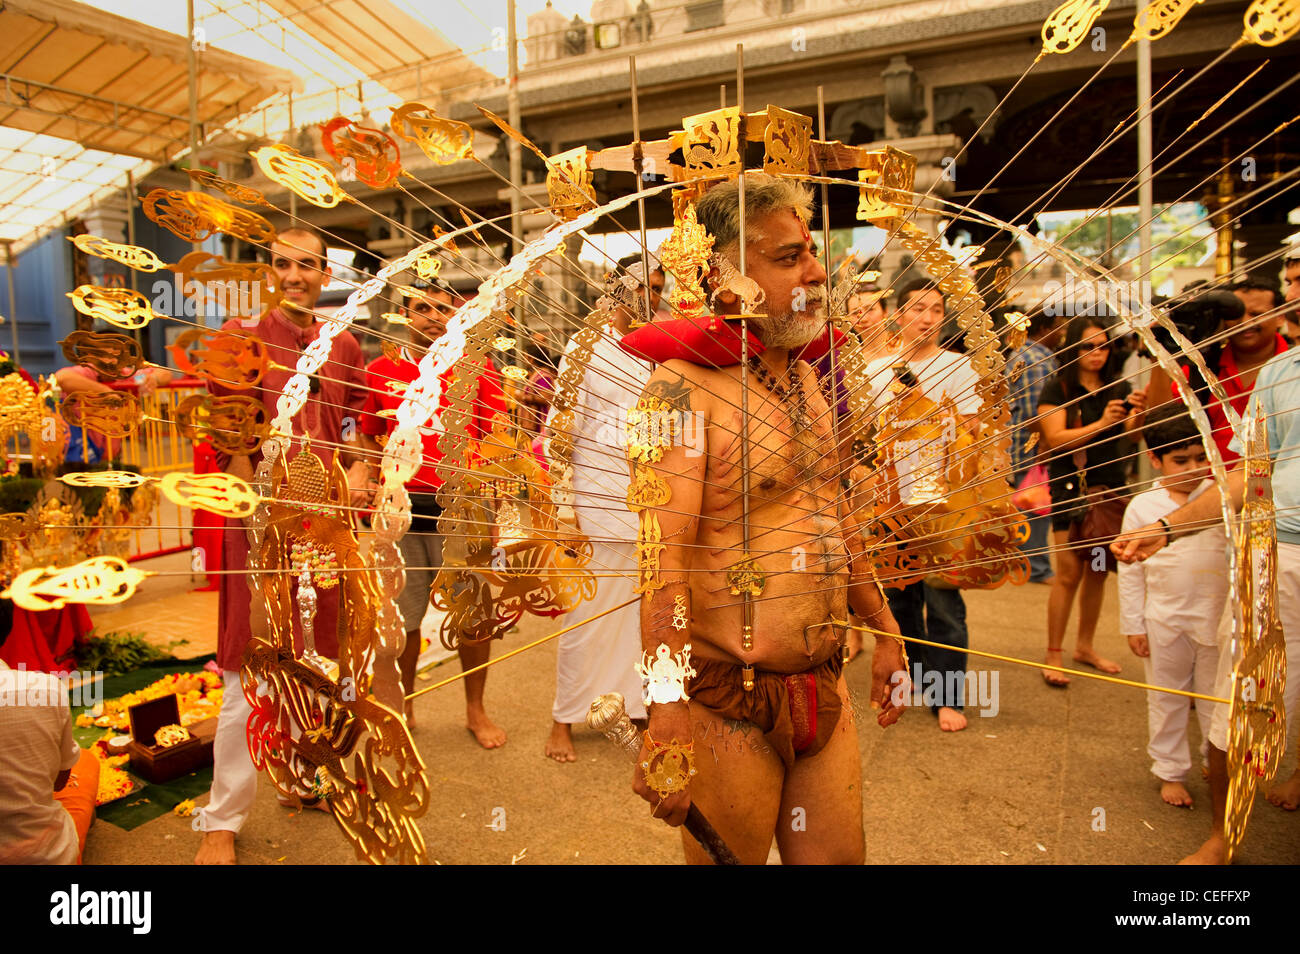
pixel 87 96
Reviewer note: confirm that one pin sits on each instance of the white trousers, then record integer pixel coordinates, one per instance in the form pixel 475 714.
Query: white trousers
pixel 1288 606
pixel 1177 661
pixel 601 656
pixel 234 780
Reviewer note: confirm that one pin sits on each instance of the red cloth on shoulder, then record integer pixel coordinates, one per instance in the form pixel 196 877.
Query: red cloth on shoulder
pixel 708 342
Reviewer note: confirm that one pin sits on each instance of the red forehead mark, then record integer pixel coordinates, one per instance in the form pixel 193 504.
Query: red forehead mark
pixel 803 227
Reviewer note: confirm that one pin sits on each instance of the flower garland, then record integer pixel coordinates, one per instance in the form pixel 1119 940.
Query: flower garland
pixel 198 695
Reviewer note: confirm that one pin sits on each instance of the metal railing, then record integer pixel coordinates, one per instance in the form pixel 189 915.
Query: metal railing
pixel 156 448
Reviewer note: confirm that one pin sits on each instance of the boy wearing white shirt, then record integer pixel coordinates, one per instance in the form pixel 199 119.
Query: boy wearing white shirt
pixel 1170 605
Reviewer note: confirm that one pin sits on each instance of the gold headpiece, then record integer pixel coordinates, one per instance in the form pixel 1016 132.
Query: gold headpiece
pixel 112 413
pixel 685 256
pixel 118 306
pixel 306 178
pixel 371 154
pixel 444 141
pixel 110 355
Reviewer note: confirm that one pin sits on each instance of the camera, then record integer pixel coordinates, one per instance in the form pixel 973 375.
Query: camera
pixel 1200 317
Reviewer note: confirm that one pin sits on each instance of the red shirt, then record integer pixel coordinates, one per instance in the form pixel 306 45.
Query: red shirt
pixel 489 402
pixel 339 396
pixel 1238 396
pixel 323 418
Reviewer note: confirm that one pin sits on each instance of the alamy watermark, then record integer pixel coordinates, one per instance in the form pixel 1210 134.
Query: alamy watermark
pixel 936 688
pixel 183 299
pixel 664 428
pixel 133 909
pixel 76 689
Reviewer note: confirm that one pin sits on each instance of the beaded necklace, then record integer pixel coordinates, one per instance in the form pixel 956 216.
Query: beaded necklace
pixel 787 390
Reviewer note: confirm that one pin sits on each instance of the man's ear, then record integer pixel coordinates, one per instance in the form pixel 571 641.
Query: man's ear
pixel 1155 460
pixel 713 283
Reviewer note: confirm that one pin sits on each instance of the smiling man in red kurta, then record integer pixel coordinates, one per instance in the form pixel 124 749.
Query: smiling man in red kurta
pixel 329 420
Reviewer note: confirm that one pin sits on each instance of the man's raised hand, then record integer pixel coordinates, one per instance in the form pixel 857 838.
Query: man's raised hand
pixel 1140 544
pixel 360 485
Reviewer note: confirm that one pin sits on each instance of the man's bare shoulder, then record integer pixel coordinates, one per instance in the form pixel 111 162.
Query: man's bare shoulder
pixel 685 385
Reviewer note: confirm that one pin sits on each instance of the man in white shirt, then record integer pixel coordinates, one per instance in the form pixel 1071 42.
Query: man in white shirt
pixel 602 657
pixel 922 610
pixel 47 783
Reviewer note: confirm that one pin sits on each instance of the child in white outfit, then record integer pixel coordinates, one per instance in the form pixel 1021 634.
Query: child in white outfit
pixel 1169 605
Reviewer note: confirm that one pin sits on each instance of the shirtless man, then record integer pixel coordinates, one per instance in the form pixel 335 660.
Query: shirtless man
pixel 781 757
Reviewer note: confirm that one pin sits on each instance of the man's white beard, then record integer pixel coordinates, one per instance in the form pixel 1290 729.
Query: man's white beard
pixel 794 329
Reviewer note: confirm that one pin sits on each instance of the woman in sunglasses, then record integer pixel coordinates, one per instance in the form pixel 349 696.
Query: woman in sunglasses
pixel 1087 413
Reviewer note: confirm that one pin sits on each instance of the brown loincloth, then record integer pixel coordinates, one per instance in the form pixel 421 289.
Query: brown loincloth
pixel 796 711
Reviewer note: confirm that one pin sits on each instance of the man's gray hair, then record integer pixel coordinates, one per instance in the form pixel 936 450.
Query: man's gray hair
pixel 719 209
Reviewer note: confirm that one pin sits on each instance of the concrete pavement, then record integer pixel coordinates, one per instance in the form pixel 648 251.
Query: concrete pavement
pixel 1055 777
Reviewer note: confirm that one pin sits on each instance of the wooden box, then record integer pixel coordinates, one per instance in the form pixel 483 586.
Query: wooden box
pixel 155 763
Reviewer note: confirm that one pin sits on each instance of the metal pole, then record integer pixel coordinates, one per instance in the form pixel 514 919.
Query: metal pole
pixel 516 167
pixel 13 314
pixel 826 206
pixel 1145 203
pixel 130 239
pixel 638 166
pixel 193 63
pixel 747 632
pixel 830 281
pixel 130 221
pixel 293 196
pixel 512 113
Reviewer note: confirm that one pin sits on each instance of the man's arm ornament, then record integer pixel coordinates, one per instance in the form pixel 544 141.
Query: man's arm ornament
pixel 668 766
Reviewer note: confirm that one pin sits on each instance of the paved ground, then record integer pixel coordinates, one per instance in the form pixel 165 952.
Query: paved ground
pixel 1028 785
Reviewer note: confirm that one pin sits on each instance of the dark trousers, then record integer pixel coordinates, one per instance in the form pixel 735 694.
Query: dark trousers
pixel 1038 547
pixel 927 612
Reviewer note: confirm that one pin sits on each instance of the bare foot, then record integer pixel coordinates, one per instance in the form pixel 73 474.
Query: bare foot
pixel 1089 658
pixel 852 644
pixel 1213 852
pixel 560 745
pixel 1176 794
pixel 489 734
pixel 1057 680
pixel 410 715
pixel 951 720
pixel 1286 794
pixel 216 848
